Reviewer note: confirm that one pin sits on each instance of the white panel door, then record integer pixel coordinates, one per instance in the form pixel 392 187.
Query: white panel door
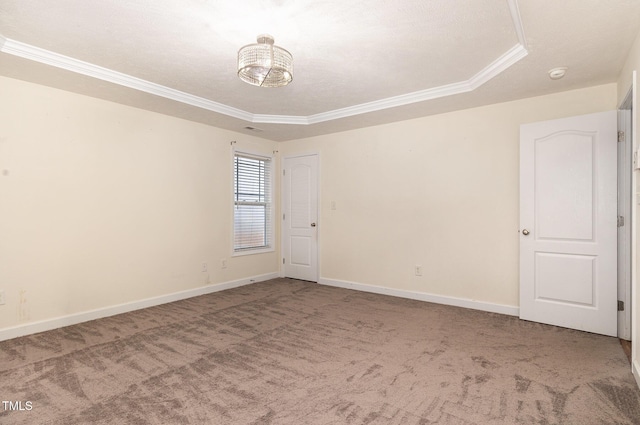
pixel 300 217
pixel 568 222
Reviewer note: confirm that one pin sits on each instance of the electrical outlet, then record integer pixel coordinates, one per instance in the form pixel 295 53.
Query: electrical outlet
pixel 418 270
pixel 2 301
pixel 223 263
pixel 205 267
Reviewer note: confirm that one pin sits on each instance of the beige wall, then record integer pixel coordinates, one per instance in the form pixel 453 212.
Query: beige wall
pixel 103 204
pixel 439 191
pixel 624 85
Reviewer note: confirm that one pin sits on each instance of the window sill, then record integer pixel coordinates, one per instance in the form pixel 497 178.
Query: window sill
pixel 252 251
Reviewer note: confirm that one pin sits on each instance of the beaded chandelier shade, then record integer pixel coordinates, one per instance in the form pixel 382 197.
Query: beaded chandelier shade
pixel 264 64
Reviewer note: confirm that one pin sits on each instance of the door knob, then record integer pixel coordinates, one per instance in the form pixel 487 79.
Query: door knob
pixel 525 232
pixel 313 224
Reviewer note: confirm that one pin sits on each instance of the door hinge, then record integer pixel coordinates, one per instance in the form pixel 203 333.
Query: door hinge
pixel 620 221
pixel 283 261
pixel 620 136
pixel 620 305
pixel 284 172
pixel 283 216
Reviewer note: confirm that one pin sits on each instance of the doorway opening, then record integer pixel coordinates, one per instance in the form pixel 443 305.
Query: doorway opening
pixel 627 201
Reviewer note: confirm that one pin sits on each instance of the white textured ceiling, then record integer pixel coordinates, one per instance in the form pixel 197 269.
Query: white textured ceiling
pixel 356 63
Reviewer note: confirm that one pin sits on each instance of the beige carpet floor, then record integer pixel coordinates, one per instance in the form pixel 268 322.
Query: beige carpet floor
pixel 296 353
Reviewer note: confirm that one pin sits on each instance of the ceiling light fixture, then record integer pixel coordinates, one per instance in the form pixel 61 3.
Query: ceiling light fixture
pixel 557 73
pixel 264 64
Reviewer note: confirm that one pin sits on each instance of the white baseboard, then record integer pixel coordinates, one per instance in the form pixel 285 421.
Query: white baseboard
pixel 424 296
pixel 85 316
pixel 635 369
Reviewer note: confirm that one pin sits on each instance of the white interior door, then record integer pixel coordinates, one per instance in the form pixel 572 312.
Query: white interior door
pixel 300 217
pixel 568 222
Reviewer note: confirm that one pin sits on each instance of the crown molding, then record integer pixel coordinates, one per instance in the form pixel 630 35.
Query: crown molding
pixel 67 63
pixel 281 119
pixel 514 9
pixel 509 58
pixel 498 66
pixel 504 62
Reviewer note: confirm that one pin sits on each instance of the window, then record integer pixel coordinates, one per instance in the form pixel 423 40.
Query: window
pixel 252 203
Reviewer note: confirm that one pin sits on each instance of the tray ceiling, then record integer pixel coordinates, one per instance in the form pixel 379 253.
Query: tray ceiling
pixel 356 63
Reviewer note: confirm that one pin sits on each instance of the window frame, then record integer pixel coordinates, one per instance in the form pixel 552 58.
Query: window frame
pixel 270 206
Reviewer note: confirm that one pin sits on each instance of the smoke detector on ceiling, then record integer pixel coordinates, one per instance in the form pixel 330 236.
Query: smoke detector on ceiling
pixel 557 73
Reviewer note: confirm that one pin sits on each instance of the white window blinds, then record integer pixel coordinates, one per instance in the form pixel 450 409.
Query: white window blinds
pixel 252 203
